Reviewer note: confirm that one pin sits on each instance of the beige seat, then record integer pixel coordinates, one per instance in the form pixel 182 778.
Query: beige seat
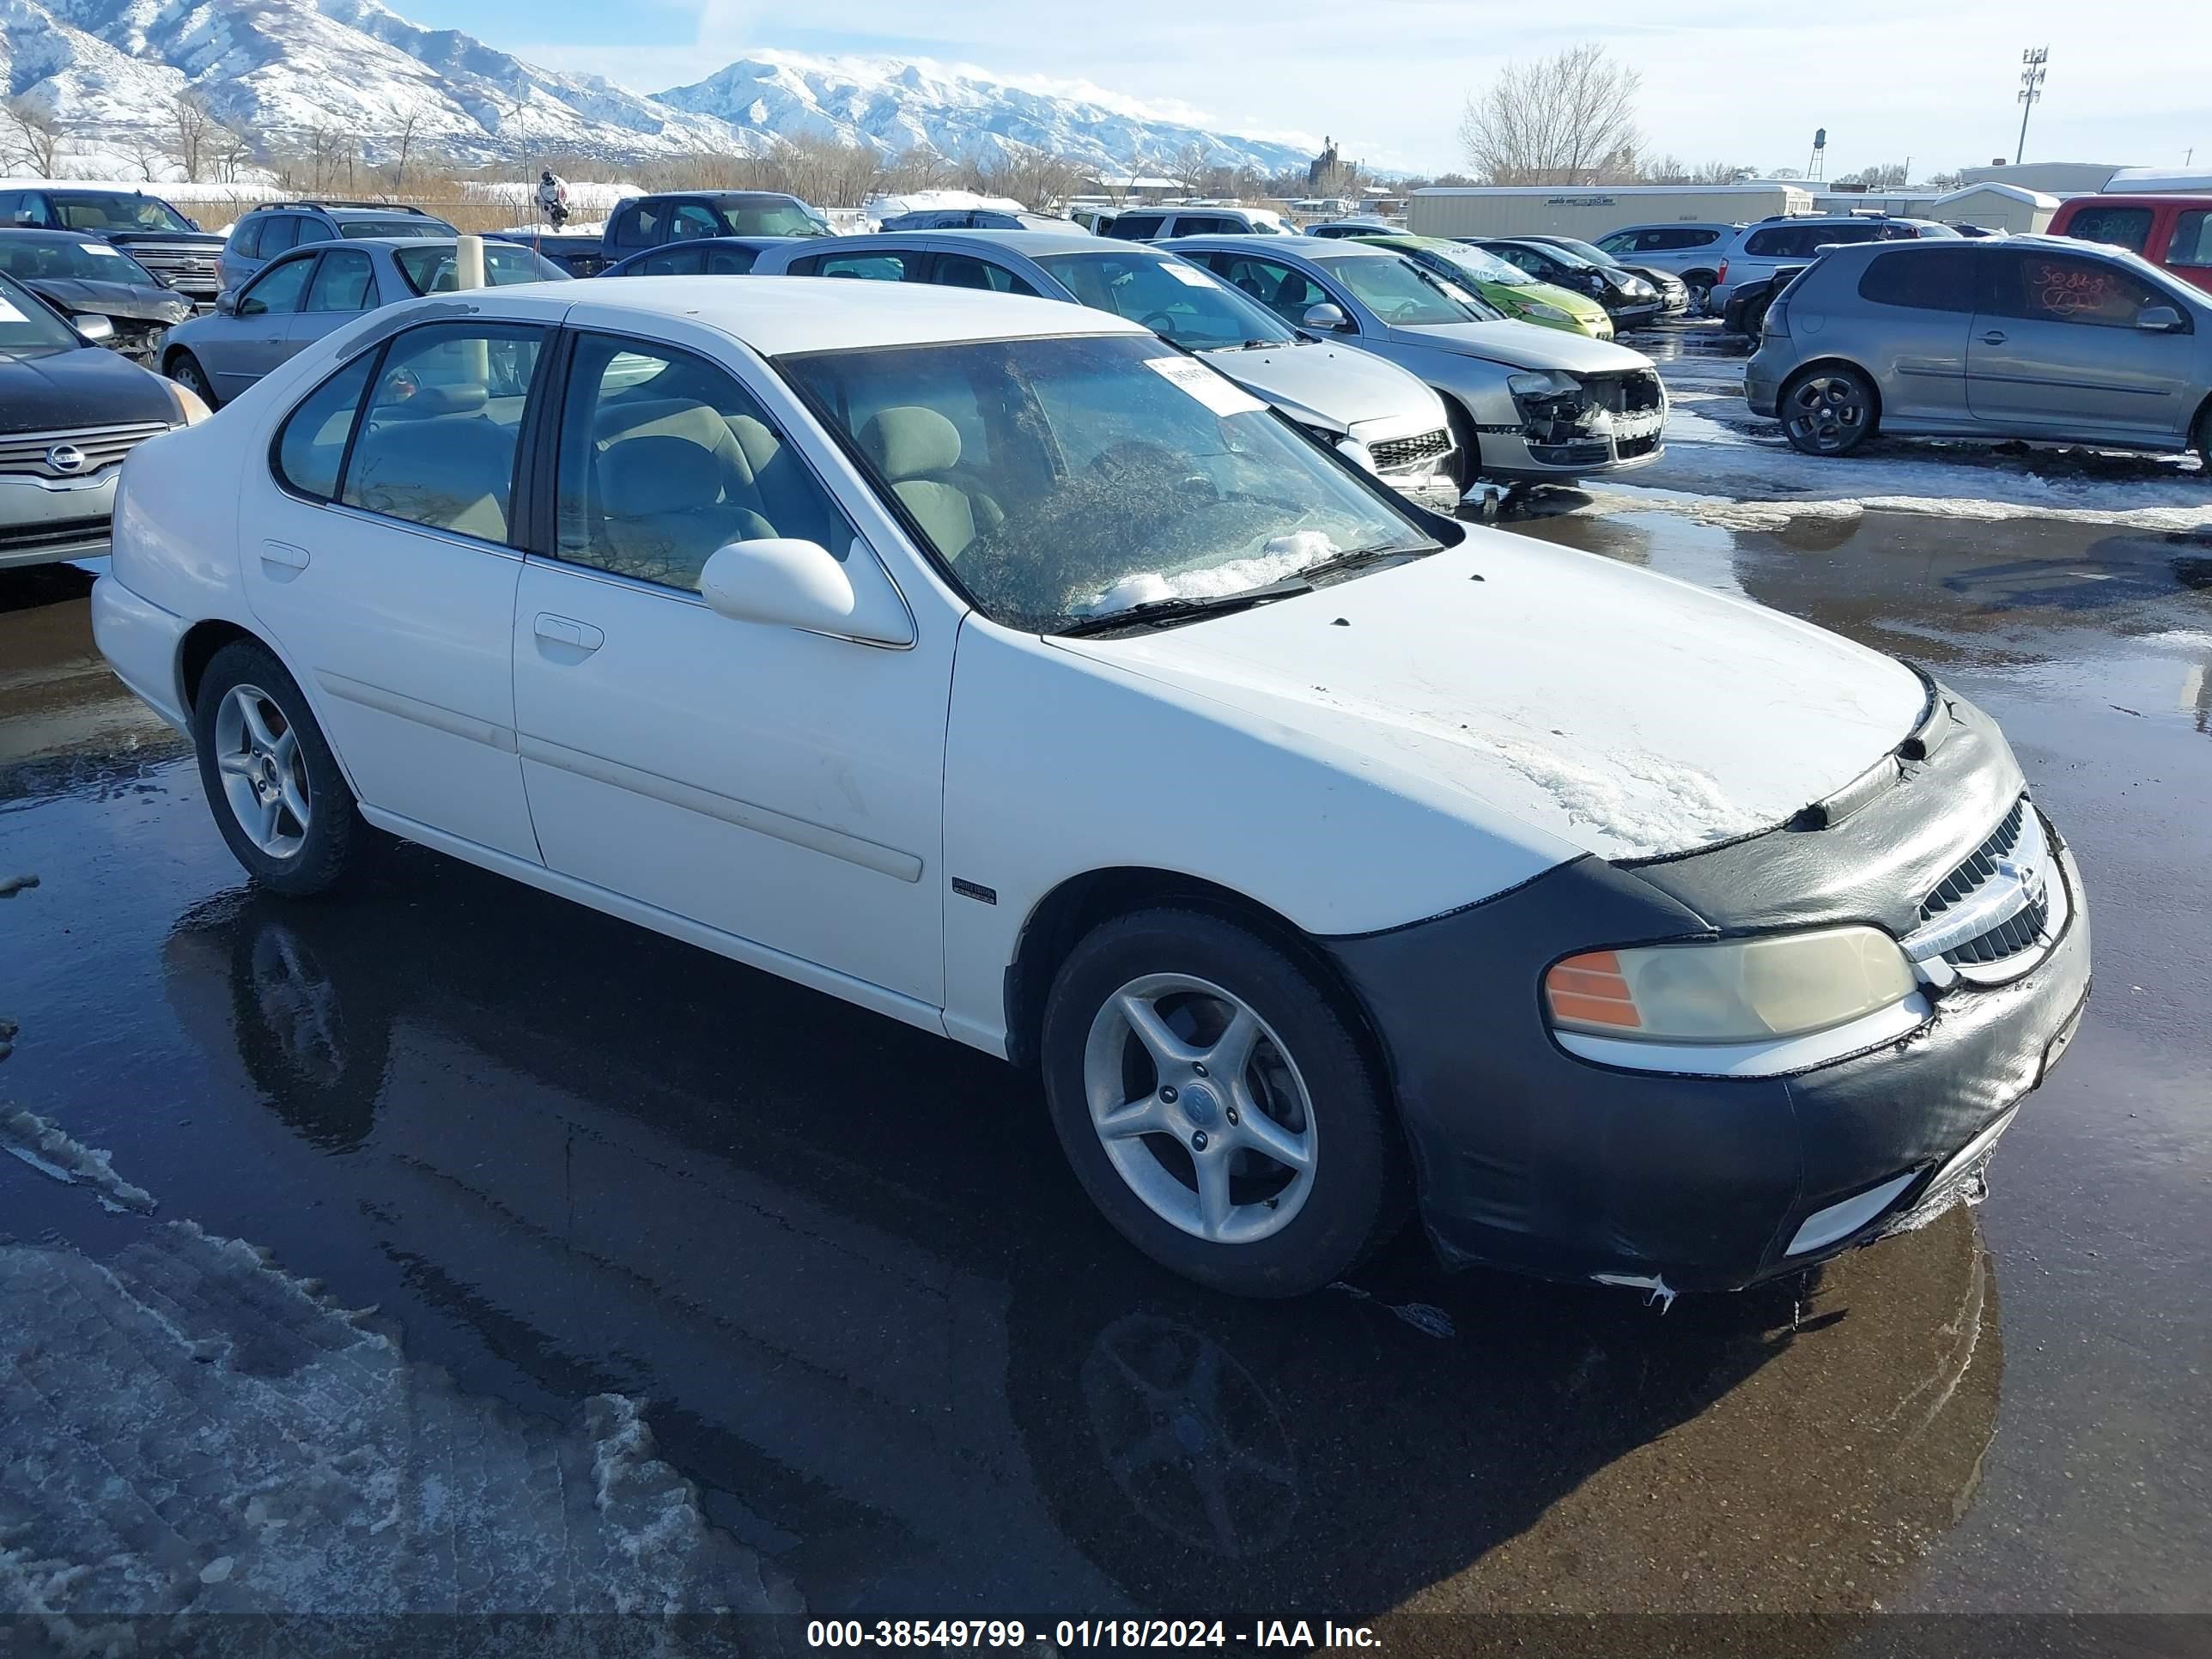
pixel 453 473
pixel 672 486
pixel 917 449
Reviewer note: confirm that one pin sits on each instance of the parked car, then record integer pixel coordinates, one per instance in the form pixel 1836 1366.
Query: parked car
pixel 580 255
pixel 1340 228
pixel 2174 233
pixel 644 221
pixel 1756 251
pixel 298 297
pixel 974 219
pixel 1630 300
pixel 1673 293
pixel 1383 418
pixel 1746 310
pixel 1684 979
pixel 70 412
pixel 1526 403
pixel 2031 337
pixel 87 276
pixel 1689 252
pixel 1506 288
pixel 1159 224
pixel 710 256
pixel 173 247
pixel 276 228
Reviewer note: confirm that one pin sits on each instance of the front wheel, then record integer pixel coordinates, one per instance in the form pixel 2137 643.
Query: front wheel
pixel 270 780
pixel 185 369
pixel 1466 449
pixel 1700 285
pixel 1828 410
pixel 1216 1106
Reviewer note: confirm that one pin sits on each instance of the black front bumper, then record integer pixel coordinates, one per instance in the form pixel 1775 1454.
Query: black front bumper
pixel 1531 1158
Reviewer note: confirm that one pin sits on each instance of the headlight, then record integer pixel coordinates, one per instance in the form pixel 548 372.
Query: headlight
pixel 1356 453
pixel 1550 383
pixel 1729 990
pixel 191 411
pixel 1549 314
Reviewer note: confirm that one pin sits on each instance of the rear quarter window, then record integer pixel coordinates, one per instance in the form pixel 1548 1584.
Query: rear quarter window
pixel 1920 280
pixel 1135 227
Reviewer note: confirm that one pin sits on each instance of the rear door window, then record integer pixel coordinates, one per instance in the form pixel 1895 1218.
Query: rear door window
pixel 2120 227
pixel 343 281
pixel 729 261
pixel 874 267
pixel 1779 243
pixel 247 239
pixel 962 270
pixel 1921 279
pixel 670 262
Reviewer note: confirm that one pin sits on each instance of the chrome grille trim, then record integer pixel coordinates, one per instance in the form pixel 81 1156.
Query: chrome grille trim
pixel 23 454
pixel 1393 453
pixel 1996 904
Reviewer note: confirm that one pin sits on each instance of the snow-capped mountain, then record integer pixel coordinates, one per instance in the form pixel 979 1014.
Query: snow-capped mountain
pixel 281 69
pixel 896 105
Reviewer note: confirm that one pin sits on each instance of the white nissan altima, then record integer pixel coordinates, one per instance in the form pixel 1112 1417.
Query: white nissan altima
pixel 993 665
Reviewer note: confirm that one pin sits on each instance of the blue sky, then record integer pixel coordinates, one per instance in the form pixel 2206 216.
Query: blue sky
pixel 1744 80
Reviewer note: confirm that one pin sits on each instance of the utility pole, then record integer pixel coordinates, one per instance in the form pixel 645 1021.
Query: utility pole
pixel 2030 88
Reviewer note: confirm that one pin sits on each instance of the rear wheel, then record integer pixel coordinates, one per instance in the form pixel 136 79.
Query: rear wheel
pixel 1216 1106
pixel 185 369
pixel 272 781
pixel 2205 438
pixel 1700 285
pixel 1828 410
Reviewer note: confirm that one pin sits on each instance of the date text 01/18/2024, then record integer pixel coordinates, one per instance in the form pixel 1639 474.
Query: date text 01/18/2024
pixel 1081 1633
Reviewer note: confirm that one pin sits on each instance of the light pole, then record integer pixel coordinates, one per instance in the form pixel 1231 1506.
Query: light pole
pixel 2030 88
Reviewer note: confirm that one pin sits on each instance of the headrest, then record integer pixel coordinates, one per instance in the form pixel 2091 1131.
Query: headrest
pixel 909 442
pixel 429 402
pixel 641 476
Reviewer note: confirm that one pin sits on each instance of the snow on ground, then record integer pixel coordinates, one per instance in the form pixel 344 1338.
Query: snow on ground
pixel 1724 465
pixel 185 1429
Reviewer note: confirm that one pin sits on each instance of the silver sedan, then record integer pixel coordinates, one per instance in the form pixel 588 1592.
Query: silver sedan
pixel 294 300
pixel 1527 403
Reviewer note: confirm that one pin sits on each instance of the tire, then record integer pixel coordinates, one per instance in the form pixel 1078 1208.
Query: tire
pixel 1700 285
pixel 1179 1169
pixel 1466 459
pixel 185 369
pixel 1828 410
pixel 2204 438
pixel 1755 316
pixel 274 786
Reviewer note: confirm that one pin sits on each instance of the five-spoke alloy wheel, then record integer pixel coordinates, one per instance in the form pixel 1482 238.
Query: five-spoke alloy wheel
pixel 1828 410
pixel 1213 1097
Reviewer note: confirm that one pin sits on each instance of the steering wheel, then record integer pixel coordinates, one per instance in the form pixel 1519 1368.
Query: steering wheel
pixel 1159 322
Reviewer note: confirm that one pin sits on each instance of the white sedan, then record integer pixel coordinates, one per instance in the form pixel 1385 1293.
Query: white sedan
pixel 990 663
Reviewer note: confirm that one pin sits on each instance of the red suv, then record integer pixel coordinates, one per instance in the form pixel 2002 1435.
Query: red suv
pixel 2172 232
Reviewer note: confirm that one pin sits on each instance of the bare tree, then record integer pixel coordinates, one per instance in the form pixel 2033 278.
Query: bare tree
pixel 1946 180
pixel 1034 177
pixel 1191 167
pixel 148 154
pixel 1566 119
pixel 1673 170
pixel 192 132
pixel 30 137
pixel 409 124
pixel 1887 176
pixel 234 154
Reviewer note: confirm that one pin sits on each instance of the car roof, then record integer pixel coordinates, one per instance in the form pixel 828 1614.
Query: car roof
pixel 1297 247
pixel 27 233
pixel 783 315
pixel 1032 243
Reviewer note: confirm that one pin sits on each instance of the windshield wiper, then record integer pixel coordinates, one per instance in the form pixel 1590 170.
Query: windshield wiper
pixel 1364 555
pixel 1159 613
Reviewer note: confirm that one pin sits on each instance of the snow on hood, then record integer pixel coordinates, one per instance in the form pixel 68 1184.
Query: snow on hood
pixel 1626 713
pixel 1340 386
pixel 1526 345
pixel 1277 557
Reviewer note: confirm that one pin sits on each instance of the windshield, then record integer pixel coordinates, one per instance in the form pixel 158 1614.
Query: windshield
pixel 1063 479
pixel 1403 295
pixel 27 329
pixel 430 270
pixel 58 259
pixel 771 217
pixel 410 228
pixel 1596 256
pixel 1481 265
pixel 1172 297
pixel 116 213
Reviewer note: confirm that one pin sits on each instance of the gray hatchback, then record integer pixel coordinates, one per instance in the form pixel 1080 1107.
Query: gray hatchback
pixel 2036 337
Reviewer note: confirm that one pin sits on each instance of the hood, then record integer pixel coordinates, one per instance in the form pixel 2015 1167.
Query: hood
pixel 1564 299
pixel 75 295
pixel 1628 714
pixel 206 239
pixel 1525 345
pixel 1331 386
pixel 87 386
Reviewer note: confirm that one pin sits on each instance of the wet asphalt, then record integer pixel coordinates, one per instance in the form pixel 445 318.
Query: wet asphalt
pixel 870 1314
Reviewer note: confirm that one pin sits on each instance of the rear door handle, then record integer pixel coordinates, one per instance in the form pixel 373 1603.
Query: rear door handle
pixel 1993 336
pixel 283 553
pixel 566 630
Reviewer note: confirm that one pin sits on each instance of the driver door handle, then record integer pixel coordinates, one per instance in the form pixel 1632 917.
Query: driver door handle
pixel 1993 336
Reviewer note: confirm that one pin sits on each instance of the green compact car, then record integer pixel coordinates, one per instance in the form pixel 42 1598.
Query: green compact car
pixel 1510 288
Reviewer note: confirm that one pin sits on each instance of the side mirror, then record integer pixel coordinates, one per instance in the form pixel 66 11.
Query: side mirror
pixel 2159 320
pixel 193 222
pixel 1328 319
pixel 93 330
pixel 226 302
pixel 786 583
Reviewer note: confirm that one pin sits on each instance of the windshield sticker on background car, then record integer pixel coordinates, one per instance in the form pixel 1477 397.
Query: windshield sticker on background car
pixel 1222 396
pixel 101 250
pixel 9 313
pixel 1190 275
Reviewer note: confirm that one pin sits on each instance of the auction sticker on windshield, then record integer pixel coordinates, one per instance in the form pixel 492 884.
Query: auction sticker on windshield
pixel 100 250
pixel 1222 396
pixel 1189 276
pixel 8 312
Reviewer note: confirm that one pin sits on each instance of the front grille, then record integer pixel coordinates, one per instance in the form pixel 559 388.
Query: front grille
pixel 1394 452
pixel 2008 938
pixel 40 537
pixel 1630 449
pixel 1623 394
pixel 1980 865
pixel 24 455
pixel 189 270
